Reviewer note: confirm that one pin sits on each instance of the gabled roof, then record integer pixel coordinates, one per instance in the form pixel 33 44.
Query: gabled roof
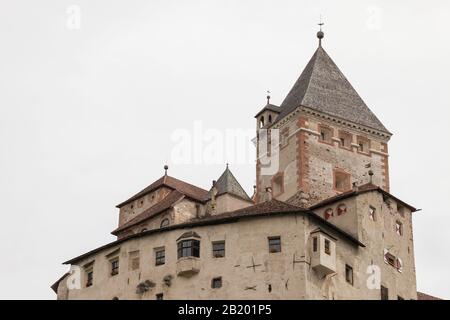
pixel 324 88
pixel 185 188
pixel 166 203
pixel 227 183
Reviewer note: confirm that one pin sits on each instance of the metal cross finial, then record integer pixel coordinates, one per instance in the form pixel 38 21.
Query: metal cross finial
pixel 320 34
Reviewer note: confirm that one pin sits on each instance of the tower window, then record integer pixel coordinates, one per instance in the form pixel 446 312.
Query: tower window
pixel 261 122
pixel 218 249
pixel 216 283
pixel 274 244
pixel 372 213
pixel 326 134
pixel 327 247
pixel 341 181
pixel 399 228
pixel 345 139
pixel 349 274
pixel 363 145
pixel 189 248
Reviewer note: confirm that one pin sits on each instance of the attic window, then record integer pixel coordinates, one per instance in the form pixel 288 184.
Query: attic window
pixel 326 134
pixel 270 118
pixel 341 181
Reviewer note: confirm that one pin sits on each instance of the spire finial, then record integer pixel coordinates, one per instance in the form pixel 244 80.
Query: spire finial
pixel 166 167
pixel 320 34
pixel 227 165
pixel 268 97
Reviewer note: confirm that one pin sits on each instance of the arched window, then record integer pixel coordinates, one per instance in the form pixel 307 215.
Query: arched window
pixel 270 118
pixel 164 223
pixel 261 122
pixel 342 208
pixel 328 213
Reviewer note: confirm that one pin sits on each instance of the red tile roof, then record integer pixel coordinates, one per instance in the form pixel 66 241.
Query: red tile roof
pixel 163 205
pixel 185 188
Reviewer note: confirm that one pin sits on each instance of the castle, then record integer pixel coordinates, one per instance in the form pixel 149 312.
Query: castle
pixel 322 223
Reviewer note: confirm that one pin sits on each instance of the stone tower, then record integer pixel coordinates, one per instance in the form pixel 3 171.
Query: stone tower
pixel 321 141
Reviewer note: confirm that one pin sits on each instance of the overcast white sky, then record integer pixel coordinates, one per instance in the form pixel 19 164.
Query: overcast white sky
pixel 86 115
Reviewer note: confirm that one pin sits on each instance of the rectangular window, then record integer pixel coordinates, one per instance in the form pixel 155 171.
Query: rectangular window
pixel 345 139
pixel 89 278
pixel 384 293
pixel 218 248
pixel 114 267
pixel 159 296
pixel 216 283
pixel 188 248
pixel 315 244
pixel 160 256
pixel 274 244
pixel 327 247
pixel 363 145
pixel 349 274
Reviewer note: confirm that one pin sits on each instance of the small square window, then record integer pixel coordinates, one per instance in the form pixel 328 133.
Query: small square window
pixel 160 256
pixel 274 244
pixel 315 244
pixel 216 283
pixel 349 274
pixel 326 134
pixel 218 249
pixel 327 247
pixel 159 296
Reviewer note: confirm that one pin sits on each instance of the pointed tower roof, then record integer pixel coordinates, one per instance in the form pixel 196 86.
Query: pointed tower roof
pixel 323 87
pixel 227 183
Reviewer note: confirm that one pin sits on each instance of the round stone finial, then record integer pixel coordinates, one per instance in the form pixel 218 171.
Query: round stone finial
pixel 166 167
pixel 320 35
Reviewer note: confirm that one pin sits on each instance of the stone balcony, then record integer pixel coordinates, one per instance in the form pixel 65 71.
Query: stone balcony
pixel 188 266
